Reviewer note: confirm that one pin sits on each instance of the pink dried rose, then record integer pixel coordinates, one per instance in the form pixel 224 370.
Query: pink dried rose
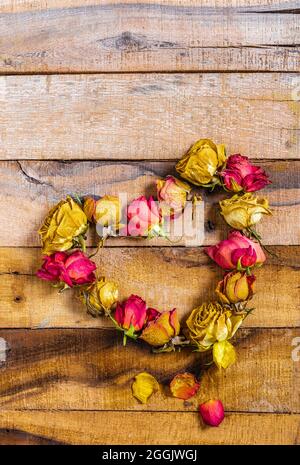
pixel 132 313
pixel 143 217
pixel 236 252
pixel 184 386
pixel 161 329
pixel 172 195
pixel 240 175
pixel 74 269
pixel 212 412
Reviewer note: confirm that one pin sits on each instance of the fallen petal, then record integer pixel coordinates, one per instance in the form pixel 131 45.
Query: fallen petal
pixel 212 412
pixel 143 386
pixel 223 354
pixel 184 385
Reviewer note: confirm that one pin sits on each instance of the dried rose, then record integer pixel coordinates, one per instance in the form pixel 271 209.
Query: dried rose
pixel 172 196
pixel 74 269
pixel 184 386
pixel 200 164
pixel 131 314
pixel 235 287
pixel 211 323
pixel 144 386
pixel 162 329
pixel 101 296
pixel 241 175
pixel 144 218
pixel 212 412
pixel 63 227
pixel 243 212
pixel 237 251
pixel 105 211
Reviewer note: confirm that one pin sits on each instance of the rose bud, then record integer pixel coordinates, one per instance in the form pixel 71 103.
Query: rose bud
pixel 162 329
pixel 184 386
pixel 143 217
pixel 200 164
pixel 63 228
pixel 243 212
pixel 74 270
pixel 211 323
pixel 212 412
pixel 106 211
pixel 235 287
pixel 241 175
pixel 101 296
pixel 131 316
pixel 172 196
pixel 144 386
pixel 237 251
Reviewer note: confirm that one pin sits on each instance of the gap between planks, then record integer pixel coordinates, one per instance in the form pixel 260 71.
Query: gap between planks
pixel 156 71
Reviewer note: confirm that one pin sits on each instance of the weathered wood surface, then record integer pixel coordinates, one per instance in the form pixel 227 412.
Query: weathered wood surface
pixel 278 6
pixel 183 278
pixel 151 428
pixel 149 36
pixel 147 116
pixel 90 370
pixel 28 189
pixel 71 370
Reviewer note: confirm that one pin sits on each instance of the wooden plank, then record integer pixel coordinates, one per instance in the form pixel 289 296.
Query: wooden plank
pixel 15 437
pixel 183 279
pixel 90 370
pixel 153 428
pixel 9 6
pixel 32 188
pixel 149 116
pixel 141 37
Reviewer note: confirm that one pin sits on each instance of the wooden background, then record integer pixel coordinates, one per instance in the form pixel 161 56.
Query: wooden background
pixel 103 97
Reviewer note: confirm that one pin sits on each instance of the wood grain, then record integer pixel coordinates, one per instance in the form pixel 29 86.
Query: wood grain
pixel 279 6
pixel 110 37
pixel 14 437
pixel 32 188
pixel 153 428
pixel 71 370
pixel 164 277
pixel 90 370
pixel 149 116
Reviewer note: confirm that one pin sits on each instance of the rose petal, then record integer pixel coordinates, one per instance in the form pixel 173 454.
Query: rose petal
pixel 143 386
pixel 184 386
pixel 212 412
pixel 223 354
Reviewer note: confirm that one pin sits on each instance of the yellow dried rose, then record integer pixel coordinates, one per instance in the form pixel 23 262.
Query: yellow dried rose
pixel 242 212
pixel 105 211
pixel 211 323
pixel 63 227
pixel 200 163
pixel 143 386
pixel 235 287
pixel 162 329
pixel 101 296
